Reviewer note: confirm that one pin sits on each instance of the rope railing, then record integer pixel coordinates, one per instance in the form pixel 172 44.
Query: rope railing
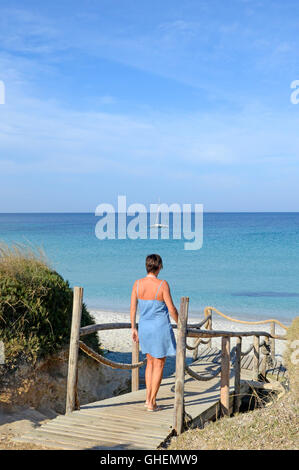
pixel 228 358
pixel 184 330
pixel 196 344
pixel 203 378
pixel 260 322
pixel 103 360
pixel 206 378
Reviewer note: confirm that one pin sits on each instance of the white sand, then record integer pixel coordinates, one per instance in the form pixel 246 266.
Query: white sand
pixel 119 342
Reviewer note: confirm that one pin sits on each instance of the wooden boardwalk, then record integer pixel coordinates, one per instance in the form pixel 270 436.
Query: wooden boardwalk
pixel 123 422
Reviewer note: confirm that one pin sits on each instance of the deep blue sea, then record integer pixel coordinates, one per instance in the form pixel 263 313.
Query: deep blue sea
pixel 248 266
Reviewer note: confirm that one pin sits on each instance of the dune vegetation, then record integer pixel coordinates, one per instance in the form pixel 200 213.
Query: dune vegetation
pixel 275 426
pixel 35 306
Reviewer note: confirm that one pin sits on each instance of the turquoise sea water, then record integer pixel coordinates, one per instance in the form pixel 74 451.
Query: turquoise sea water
pixel 248 265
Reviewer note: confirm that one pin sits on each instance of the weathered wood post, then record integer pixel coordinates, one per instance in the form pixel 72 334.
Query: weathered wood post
pixel 237 397
pixel 265 361
pixel 196 343
pixel 209 326
pixel 256 357
pixel 180 366
pixel 272 341
pixel 72 378
pixel 225 373
pixel 135 372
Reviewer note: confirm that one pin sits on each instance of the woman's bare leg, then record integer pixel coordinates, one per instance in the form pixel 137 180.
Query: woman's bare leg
pixel 148 377
pixel 157 373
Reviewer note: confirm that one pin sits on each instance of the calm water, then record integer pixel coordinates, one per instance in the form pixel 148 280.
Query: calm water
pixel 248 266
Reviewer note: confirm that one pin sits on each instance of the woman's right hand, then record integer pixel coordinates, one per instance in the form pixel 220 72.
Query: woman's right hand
pixel 135 335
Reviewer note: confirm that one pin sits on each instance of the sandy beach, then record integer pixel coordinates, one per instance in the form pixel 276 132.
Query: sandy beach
pixel 118 343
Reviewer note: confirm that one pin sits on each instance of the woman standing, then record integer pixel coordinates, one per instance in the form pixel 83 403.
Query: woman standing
pixel 155 332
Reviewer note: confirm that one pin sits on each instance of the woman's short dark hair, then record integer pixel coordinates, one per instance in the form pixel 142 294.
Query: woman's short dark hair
pixel 153 263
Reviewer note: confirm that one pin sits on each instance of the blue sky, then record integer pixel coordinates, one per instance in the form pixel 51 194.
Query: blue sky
pixel 183 101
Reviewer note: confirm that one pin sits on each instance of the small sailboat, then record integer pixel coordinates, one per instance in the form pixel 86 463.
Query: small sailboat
pixel 157 223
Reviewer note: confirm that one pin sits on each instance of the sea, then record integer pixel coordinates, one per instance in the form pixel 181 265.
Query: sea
pixel 247 267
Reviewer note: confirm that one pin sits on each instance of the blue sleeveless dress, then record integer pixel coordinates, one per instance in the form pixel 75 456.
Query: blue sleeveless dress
pixel 155 332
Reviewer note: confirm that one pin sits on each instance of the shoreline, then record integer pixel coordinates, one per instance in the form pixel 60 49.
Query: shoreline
pixel 118 343
pixel 197 315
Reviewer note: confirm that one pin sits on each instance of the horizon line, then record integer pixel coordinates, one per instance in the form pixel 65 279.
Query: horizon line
pixel 206 212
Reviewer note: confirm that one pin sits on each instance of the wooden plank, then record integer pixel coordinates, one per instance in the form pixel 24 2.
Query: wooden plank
pixel 250 363
pixel 246 360
pixel 137 417
pixel 100 439
pixel 42 442
pixel 202 351
pixel 114 423
pixel 58 440
pixel 104 434
pixel 208 355
pixel 154 433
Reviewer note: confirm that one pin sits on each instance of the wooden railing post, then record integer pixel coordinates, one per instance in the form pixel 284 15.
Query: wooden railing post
pixel 209 326
pixel 225 373
pixel 72 378
pixel 272 341
pixel 256 357
pixel 265 361
pixel 135 372
pixel 237 366
pixel 180 366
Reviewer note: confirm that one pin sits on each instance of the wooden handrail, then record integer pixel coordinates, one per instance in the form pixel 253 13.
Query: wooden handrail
pixel 87 330
pixel 217 333
pixel 184 330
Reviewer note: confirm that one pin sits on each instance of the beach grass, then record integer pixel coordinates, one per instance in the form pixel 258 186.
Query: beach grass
pixel 35 305
pixel 275 426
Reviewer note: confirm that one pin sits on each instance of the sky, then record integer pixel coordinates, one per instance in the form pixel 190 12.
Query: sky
pixel 186 102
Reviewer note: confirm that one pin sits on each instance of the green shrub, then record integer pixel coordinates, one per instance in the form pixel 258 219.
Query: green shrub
pixel 35 306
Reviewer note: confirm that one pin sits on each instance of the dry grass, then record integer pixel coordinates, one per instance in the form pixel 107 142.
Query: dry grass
pixel 15 258
pixel 273 427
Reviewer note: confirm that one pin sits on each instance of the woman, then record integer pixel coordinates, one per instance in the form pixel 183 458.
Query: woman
pixel 155 332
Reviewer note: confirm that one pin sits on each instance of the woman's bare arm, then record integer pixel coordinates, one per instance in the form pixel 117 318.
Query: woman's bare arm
pixel 133 312
pixel 169 302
